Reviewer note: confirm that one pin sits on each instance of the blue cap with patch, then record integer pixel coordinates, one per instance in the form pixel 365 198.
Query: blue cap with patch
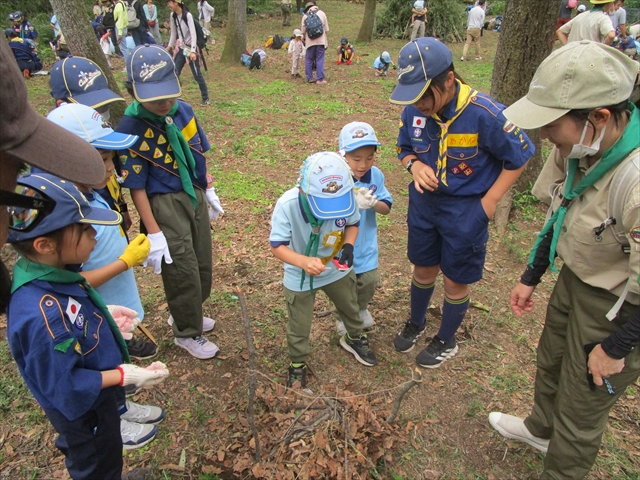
pixel 69 206
pixel 418 62
pixel 355 135
pixel 152 73
pixel 79 80
pixel 325 178
pixel 89 125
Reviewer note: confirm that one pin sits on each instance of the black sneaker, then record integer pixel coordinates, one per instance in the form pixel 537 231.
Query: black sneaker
pixel 360 349
pixel 406 339
pixel 131 390
pixel 206 103
pixel 141 349
pixel 297 374
pixel 436 352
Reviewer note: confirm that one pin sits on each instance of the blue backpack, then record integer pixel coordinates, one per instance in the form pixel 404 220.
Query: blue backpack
pixel 313 24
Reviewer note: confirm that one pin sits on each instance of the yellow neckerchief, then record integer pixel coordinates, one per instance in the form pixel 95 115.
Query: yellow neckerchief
pixel 116 193
pixel 464 99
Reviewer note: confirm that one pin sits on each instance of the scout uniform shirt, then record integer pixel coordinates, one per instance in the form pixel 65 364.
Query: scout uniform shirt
pixel 150 163
pixel 61 342
pixel 290 226
pixel 480 143
pixel 599 263
pixel 366 247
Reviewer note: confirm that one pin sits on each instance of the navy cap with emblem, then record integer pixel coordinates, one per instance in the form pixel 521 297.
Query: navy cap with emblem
pixel 152 73
pixel 71 206
pixel 418 62
pixel 79 80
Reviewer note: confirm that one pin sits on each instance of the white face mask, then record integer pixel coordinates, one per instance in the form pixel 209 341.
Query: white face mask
pixel 580 150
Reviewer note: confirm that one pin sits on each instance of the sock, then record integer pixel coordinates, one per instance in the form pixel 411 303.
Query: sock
pixel 453 313
pixel 420 298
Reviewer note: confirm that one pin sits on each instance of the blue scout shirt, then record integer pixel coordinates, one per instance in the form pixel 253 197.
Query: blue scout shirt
pixel 26 30
pixel 481 142
pixel 24 51
pixel 366 247
pixel 61 342
pixel 150 164
pixel 290 227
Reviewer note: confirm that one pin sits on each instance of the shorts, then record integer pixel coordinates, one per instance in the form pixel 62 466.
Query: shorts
pixel 450 231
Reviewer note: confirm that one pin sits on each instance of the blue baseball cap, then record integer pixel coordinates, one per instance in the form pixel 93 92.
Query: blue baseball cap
pixel 418 62
pixel 355 135
pixel 152 73
pixel 89 125
pixel 79 80
pixel 70 206
pixel 325 178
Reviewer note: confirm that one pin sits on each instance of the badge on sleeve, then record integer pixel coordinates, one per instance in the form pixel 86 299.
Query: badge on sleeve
pixel 634 233
pixel 73 309
pixel 419 122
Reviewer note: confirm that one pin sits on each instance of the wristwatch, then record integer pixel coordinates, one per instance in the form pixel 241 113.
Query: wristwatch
pixel 409 165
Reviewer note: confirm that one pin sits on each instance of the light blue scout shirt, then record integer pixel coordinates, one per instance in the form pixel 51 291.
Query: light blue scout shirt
pixel 122 289
pixel 366 247
pixel 379 64
pixel 290 227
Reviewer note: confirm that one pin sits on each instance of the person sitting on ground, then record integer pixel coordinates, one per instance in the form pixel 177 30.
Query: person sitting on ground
pixel 345 52
pixel 24 53
pixel 381 64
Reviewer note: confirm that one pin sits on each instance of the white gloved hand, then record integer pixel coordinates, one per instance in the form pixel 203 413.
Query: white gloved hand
pixel 215 209
pixel 126 319
pixel 159 249
pixel 138 376
pixel 366 198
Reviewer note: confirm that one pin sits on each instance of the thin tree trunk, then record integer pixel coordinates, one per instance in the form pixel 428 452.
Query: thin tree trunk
pixel 526 38
pixel 236 41
pixel 83 42
pixel 366 29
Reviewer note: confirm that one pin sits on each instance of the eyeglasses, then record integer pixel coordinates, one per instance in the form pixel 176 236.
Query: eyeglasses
pixel 26 207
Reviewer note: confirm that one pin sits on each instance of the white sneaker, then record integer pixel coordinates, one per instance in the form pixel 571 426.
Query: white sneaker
pixel 207 323
pixel 365 316
pixel 478 58
pixel 513 427
pixel 198 346
pixel 147 414
pixel 136 435
pixel 462 59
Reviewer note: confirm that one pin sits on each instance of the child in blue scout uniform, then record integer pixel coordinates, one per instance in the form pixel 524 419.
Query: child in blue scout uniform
pixel 463 155
pixel 63 338
pixel 166 173
pixel 345 52
pixel 24 53
pixel 313 224
pixel 358 144
pixel 23 27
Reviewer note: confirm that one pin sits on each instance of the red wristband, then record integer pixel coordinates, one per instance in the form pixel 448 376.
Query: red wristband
pixel 119 368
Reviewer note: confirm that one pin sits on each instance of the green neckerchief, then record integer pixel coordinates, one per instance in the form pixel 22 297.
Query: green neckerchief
pixel 314 238
pixel 628 142
pixel 26 271
pixel 181 150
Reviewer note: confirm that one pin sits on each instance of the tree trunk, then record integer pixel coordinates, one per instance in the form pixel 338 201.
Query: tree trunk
pixel 82 42
pixel 526 38
pixel 366 29
pixel 236 41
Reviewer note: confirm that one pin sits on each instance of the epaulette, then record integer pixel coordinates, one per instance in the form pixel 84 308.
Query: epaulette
pixel 488 103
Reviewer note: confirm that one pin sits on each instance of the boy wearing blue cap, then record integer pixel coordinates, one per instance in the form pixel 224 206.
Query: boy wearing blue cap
pixel 463 155
pixel 313 231
pixel 68 349
pixel 382 63
pixel 166 172
pixel 345 52
pixel 358 144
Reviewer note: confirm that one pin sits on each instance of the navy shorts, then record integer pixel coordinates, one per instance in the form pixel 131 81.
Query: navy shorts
pixel 449 231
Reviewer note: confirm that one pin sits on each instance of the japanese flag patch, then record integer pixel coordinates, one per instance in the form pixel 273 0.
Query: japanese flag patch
pixel 73 312
pixel 419 122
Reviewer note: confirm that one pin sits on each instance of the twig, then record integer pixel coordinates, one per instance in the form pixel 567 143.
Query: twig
pixel 416 378
pixel 325 313
pixel 345 426
pixel 252 377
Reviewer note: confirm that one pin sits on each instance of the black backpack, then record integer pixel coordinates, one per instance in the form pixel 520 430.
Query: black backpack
pixel 313 24
pixel 201 38
pixel 108 20
pixel 278 41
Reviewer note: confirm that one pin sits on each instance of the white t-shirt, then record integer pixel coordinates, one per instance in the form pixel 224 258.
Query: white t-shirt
pixel 594 25
pixel 476 17
pixel 619 17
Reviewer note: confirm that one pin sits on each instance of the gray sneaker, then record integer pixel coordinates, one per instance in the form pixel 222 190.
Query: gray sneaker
pixel 198 347
pixel 367 322
pixel 147 414
pixel 136 435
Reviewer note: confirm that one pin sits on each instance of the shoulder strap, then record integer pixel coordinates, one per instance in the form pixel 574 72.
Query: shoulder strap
pixel 624 180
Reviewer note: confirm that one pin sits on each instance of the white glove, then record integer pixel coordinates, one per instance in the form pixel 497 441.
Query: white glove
pixel 215 209
pixel 138 376
pixel 365 198
pixel 126 319
pixel 159 249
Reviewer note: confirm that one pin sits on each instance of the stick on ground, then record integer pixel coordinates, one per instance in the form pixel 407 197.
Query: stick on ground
pixel 416 378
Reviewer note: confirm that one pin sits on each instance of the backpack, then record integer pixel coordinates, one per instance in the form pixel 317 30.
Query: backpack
pixel 277 43
pixel 132 15
pixel 201 37
pixel 313 24
pixel 572 3
pixel 108 20
pixel 245 58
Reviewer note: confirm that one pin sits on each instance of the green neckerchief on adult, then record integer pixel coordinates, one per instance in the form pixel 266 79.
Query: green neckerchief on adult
pixel 611 157
pixel 314 238
pixel 26 271
pixel 181 150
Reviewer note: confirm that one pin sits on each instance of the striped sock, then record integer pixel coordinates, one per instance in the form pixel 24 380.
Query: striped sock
pixel 420 298
pixel 453 314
